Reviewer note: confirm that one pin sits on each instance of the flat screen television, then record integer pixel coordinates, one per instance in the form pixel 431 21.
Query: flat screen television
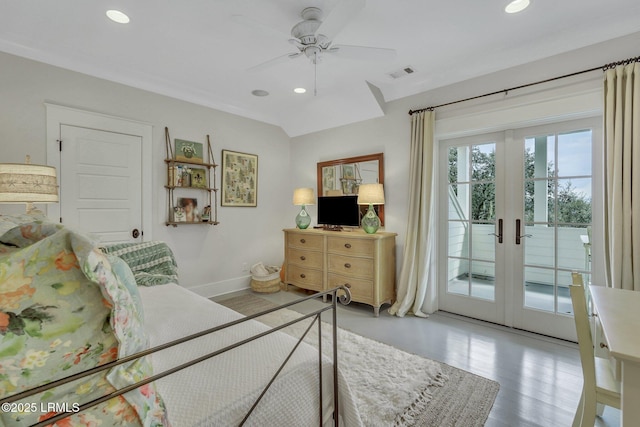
pixel 340 210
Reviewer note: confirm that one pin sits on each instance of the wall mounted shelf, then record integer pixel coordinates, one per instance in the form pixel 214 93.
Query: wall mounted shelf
pixel 180 174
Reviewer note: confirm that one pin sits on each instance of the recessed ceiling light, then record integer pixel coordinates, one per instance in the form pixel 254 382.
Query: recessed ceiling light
pixel 117 16
pixel 299 90
pixel 259 92
pixel 516 6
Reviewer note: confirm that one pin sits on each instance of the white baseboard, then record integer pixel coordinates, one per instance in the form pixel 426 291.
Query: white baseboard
pixel 222 287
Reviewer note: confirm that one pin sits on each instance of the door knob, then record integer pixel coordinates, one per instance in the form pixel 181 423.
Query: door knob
pixel 135 233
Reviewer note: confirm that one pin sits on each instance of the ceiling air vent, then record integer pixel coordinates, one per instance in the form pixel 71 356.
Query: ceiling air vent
pixel 401 72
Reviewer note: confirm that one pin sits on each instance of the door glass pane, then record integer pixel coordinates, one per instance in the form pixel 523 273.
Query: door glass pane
pixel 574 249
pixel 483 163
pixel 574 153
pixel 484 243
pixel 459 201
pixel 537 197
pixel 483 202
pixel 459 164
pixel 458 276
pixel 539 156
pixel 563 295
pixel 539 287
pixel 539 249
pixel 574 201
pixel 483 280
pixel 459 239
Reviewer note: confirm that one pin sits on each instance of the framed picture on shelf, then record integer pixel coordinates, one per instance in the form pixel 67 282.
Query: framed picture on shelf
pixel 198 178
pixel 348 172
pixel 187 210
pixel 188 151
pixel 206 213
pixel 328 179
pixel 239 179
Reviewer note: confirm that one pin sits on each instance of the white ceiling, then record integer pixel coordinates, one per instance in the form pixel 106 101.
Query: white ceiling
pixel 193 49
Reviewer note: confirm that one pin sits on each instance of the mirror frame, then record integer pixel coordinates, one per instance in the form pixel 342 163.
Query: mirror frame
pixel 366 158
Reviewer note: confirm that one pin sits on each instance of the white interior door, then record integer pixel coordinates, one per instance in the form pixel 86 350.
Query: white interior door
pixel 101 183
pixel 519 209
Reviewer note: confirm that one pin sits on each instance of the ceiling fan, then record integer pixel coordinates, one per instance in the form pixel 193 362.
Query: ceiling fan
pixel 313 36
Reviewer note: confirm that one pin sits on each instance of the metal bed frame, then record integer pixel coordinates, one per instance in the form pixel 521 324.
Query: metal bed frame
pixel 344 298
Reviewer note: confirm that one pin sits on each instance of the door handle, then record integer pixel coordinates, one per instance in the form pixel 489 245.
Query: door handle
pixel 519 236
pixel 135 233
pixel 499 235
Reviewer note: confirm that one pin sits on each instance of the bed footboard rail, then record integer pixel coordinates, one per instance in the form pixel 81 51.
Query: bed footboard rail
pixel 340 294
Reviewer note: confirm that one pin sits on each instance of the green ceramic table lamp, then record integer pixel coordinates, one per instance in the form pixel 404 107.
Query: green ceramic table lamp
pixel 302 197
pixel 370 194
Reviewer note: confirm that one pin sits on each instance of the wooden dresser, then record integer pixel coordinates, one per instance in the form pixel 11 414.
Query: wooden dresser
pixel 319 260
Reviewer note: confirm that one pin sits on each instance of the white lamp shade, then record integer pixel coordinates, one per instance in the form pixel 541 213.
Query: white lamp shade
pixel 27 183
pixel 303 196
pixel 371 194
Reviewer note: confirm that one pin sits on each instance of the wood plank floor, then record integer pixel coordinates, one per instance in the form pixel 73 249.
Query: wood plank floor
pixel 540 378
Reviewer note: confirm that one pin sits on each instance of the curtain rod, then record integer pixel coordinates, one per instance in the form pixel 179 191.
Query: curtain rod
pixel 505 91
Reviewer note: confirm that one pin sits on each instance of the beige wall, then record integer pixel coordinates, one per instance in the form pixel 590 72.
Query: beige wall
pixel 390 134
pixel 209 257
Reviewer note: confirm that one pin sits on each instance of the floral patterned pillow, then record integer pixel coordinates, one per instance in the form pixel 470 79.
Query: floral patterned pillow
pixel 64 310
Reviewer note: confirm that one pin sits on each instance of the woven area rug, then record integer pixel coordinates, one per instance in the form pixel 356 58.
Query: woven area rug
pixel 392 387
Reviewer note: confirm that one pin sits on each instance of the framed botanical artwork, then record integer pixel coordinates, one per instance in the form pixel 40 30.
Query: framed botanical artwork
pixel 239 179
pixel 198 178
pixel 188 151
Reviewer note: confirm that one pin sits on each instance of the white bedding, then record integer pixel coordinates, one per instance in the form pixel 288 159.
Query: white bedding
pixel 220 391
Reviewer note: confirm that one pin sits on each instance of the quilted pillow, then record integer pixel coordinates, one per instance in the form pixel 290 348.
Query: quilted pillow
pixel 63 310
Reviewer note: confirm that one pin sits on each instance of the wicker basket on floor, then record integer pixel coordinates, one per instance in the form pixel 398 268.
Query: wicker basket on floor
pixel 265 279
pixel 265 286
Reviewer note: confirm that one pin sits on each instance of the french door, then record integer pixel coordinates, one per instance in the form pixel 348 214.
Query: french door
pixel 516 211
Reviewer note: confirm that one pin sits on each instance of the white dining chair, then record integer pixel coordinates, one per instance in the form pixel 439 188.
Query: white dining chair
pixel 599 384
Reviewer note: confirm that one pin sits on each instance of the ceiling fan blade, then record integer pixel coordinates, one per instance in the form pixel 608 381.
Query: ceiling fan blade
pixel 362 52
pixel 339 16
pixel 274 61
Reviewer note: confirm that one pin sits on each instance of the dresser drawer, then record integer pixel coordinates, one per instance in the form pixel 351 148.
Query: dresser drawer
pixel 350 246
pixel 305 277
pixel 351 266
pixel 361 289
pixel 305 258
pixel 304 241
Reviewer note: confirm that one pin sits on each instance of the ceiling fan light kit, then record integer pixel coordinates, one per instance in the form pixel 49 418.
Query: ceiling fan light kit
pixel 313 37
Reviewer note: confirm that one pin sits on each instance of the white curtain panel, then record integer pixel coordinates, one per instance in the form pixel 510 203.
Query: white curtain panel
pixel 622 176
pixel 417 290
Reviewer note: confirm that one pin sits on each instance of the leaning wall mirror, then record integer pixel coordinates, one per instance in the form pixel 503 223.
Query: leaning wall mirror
pixel 342 177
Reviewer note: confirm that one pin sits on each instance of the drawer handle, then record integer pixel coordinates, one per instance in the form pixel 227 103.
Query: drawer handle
pixel 603 345
pixel 303 257
pixel 302 275
pixel 303 241
pixel 347 265
pixel 347 245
